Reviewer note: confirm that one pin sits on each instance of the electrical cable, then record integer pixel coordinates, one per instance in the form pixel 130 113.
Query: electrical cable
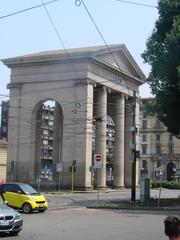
pixel 27 9
pixel 138 4
pixel 46 3
pixel 107 46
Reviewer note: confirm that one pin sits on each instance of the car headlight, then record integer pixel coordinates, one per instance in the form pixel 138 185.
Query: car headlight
pixel 32 198
pixel 18 216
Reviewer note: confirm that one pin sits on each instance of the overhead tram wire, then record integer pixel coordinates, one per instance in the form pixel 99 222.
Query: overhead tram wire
pixel 43 4
pixel 47 3
pixel 27 9
pixel 60 39
pixel 174 9
pixel 107 46
pixel 138 4
pixel 62 43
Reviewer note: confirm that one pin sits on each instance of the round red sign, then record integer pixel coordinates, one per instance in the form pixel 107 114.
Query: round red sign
pixel 98 158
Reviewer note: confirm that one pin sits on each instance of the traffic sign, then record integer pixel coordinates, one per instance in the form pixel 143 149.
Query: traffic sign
pixel 98 160
pixel 59 167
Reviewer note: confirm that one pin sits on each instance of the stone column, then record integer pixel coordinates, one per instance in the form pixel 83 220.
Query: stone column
pixel 57 142
pixel 128 162
pixel 118 163
pixel 138 140
pixel 100 133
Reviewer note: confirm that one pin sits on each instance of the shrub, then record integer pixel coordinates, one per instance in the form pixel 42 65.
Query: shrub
pixel 165 184
pixel 155 184
pixel 171 185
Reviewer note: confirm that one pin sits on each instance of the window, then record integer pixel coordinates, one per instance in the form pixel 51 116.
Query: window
pixel 44 122
pixel 158 124
pixel 144 149
pixel 158 137
pixel 45 142
pixel 158 148
pixel 45 132
pixel 144 124
pixel 144 114
pixel 12 188
pixel 170 148
pixel 170 137
pixel 50 123
pixel 144 138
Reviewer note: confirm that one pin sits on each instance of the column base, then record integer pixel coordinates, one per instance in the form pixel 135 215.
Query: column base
pixel 101 188
pixel 119 187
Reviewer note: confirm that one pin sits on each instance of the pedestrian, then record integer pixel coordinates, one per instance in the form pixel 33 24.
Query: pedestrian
pixel 172 227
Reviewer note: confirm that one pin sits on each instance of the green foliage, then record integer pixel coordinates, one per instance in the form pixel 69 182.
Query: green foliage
pixel 150 108
pixel 163 54
pixel 155 184
pixel 109 159
pixel 165 184
pixel 171 185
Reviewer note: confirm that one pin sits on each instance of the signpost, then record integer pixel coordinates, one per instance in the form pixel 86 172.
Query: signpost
pixel 163 160
pixel 59 169
pixel 73 169
pixel 98 164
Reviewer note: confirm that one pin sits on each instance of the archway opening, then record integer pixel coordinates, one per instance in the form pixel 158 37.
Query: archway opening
pixel 171 169
pixel 48 142
pixel 109 149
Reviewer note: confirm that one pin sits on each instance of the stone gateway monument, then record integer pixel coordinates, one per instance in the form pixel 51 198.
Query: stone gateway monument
pixel 86 84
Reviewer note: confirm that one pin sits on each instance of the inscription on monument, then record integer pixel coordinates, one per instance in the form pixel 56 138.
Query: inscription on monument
pixel 105 73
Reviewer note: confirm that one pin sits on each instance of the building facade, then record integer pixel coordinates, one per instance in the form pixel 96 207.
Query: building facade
pixel 86 84
pixel 160 151
pixel 3 160
pixel 4 120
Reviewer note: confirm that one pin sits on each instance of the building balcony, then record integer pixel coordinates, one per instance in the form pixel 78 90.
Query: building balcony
pixel 45 127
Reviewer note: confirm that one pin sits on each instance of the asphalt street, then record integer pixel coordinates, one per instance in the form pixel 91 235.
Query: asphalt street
pixel 89 224
pixel 68 218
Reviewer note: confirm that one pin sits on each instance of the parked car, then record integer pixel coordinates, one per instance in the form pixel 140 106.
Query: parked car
pixel 10 220
pixel 23 196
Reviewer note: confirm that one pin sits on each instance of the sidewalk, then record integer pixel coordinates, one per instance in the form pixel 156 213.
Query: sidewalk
pixel 69 199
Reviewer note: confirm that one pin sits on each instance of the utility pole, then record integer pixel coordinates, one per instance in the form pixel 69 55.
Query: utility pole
pixel 133 148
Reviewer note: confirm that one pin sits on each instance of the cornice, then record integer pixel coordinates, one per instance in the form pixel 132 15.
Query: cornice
pixel 115 70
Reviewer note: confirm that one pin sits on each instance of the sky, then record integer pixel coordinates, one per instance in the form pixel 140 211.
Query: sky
pixel 31 31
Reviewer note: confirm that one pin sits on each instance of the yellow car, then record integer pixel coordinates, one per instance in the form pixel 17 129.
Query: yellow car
pixel 23 196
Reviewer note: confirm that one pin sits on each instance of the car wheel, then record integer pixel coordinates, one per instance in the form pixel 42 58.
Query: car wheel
pixel 14 233
pixel 27 208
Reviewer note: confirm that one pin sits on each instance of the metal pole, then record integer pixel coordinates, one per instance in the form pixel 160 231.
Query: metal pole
pixel 72 178
pixel 133 148
pixel 160 191
pixel 59 181
pixel 161 180
pixel 98 183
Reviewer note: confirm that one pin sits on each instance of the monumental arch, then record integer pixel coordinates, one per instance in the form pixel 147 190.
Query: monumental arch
pixel 86 84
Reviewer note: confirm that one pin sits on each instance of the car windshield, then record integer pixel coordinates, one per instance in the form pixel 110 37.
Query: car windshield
pixel 28 190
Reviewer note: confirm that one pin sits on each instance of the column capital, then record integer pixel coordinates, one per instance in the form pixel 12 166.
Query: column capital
pixel 103 88
pixel 120 94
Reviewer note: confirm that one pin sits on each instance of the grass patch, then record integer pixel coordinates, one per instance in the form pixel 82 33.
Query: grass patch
pixel 148 205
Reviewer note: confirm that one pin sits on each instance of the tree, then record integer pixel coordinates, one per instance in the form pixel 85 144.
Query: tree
pixel 163 54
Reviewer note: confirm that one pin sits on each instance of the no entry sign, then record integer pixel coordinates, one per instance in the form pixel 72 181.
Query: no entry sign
pixel 98 160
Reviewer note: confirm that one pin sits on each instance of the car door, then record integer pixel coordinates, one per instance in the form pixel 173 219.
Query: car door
pixel 12 194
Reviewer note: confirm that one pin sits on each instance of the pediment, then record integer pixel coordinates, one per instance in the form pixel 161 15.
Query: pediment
pixel 118 56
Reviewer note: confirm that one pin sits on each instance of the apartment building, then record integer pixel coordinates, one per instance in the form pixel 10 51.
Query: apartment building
pixel 47 126
pixel 3 160
pixel 160 151
pixel 4 120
